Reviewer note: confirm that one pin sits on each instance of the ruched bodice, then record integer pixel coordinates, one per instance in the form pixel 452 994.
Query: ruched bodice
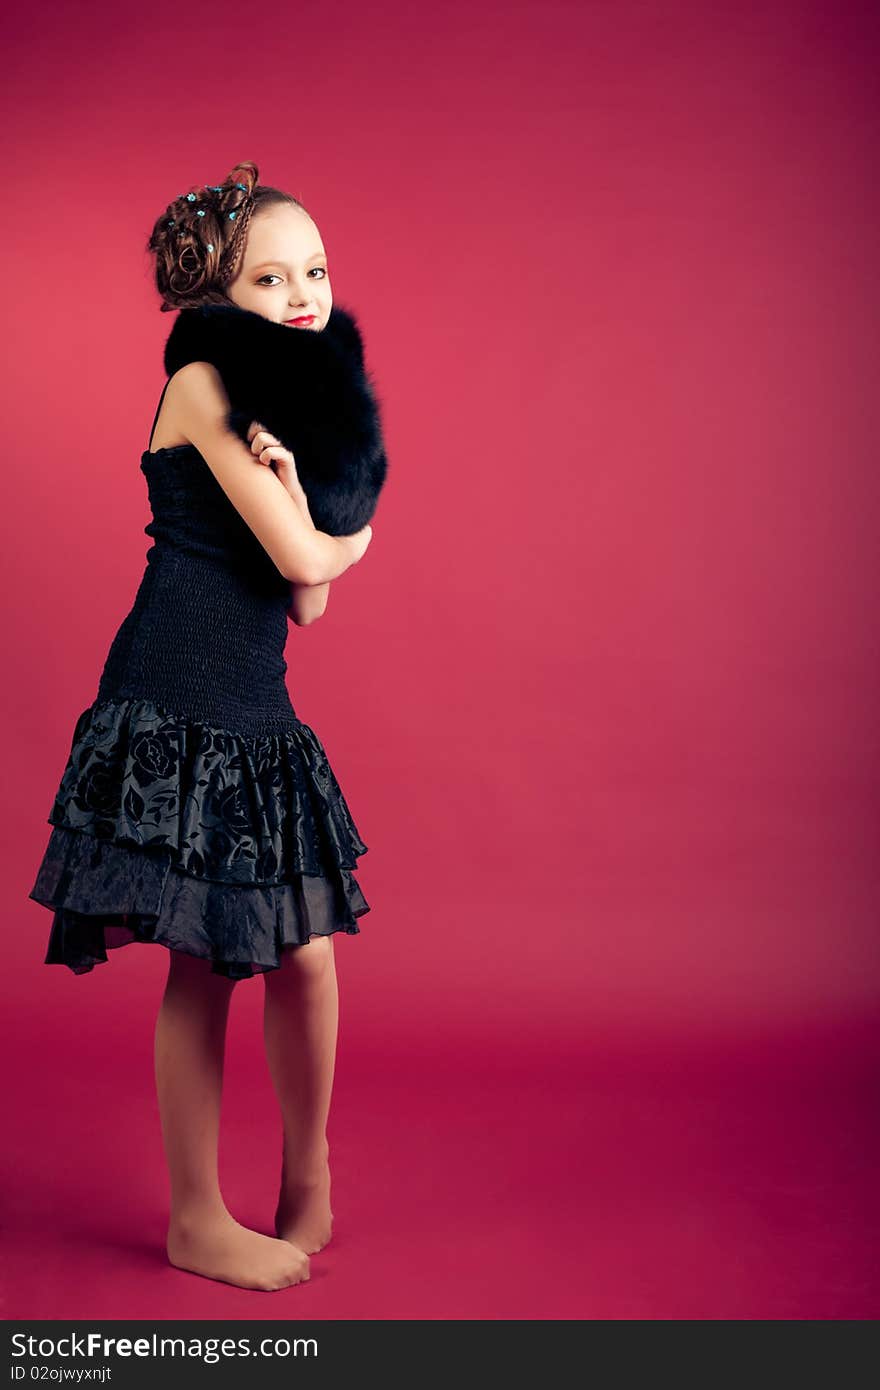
pixel 193 515
pixel 208 627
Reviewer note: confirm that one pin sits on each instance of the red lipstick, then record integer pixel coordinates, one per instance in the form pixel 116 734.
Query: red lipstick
pixel 305 320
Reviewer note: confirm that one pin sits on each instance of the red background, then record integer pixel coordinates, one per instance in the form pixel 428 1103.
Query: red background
pixel 602 696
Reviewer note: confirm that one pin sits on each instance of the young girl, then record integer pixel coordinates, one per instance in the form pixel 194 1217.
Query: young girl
pixel 196 809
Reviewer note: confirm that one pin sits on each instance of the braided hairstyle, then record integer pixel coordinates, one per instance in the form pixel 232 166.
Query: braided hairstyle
pixel 200 237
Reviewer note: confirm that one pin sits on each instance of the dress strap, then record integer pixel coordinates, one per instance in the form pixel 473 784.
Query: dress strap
pixel 156 416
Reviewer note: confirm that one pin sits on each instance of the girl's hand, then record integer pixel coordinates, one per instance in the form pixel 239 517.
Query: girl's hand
pixel 270 451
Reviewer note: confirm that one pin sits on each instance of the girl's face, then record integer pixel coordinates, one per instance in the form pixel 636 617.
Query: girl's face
pixel 283 274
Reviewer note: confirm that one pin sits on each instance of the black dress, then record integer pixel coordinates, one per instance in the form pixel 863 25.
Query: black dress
pixel 196 810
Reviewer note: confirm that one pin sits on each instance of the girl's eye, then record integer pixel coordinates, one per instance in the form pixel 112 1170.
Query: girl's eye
pixel 322 271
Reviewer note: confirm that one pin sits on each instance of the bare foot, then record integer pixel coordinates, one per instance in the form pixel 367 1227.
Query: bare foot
pixel 219 1247
pixel 303 1214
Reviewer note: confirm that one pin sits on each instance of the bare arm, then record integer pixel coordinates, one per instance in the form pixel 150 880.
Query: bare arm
pixel 302 554
pixel 307 601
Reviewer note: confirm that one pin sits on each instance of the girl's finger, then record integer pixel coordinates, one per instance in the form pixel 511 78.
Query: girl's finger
pixel 275 451
pixel 262 439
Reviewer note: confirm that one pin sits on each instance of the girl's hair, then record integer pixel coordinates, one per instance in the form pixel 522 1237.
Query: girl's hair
pixel 200 237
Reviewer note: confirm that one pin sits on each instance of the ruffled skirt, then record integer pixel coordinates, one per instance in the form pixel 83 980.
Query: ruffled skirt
pixel 173 831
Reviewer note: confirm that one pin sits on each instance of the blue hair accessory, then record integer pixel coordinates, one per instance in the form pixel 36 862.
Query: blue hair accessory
pixel 214 188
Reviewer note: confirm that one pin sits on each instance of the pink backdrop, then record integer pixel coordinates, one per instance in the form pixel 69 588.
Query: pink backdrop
pixel 602 695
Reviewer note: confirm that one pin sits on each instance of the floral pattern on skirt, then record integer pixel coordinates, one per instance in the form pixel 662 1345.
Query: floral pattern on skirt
pixel 225 846
pixel 256 808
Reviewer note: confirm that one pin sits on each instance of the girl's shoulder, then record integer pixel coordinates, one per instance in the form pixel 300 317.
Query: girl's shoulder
pixel 166 432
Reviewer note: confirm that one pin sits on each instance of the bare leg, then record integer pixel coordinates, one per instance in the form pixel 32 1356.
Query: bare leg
pixel 189 1050
pixel 300 1024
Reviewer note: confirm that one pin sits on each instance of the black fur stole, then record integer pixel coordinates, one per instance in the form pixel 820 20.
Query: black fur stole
pixel 310 389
